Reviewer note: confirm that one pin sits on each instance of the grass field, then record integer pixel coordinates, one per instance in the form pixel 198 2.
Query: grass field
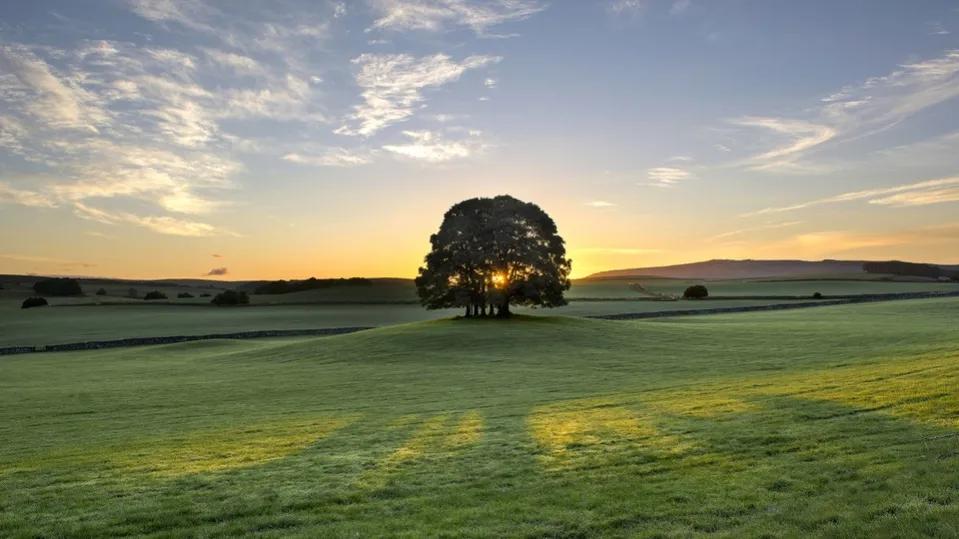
pixel 56 325
pixel 839 421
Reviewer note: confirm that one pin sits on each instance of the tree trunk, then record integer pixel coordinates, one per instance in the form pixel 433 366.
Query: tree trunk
pixel 504 310
pixel 468 313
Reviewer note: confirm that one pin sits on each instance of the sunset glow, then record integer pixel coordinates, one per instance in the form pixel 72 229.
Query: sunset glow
pixel 190 138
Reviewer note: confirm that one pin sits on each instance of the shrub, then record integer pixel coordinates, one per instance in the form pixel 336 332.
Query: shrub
pixel 205 295
pixel 697 291
pixel 183 295
pixel 60 286
pixel 102 292
pixel 156 294
pixel 33 302
pixel 230 297
pixel 817 295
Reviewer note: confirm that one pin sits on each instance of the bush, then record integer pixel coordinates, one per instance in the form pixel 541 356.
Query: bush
pixel 156 294
pixel 60 286
pixel 205 295
pixel 817 295
pixel 102 292
pixel 33 302
pixel 231 297
pixel 697 291
pixel 183 295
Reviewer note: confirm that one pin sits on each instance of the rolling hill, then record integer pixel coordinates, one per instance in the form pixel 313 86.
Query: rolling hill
pixel 745 269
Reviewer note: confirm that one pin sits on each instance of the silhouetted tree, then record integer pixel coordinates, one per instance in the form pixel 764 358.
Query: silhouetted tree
pixel 102 292
pixel 60 286
pixel 697 291
pixel 490 253
pixel 184 295
pixel 230 297
pixel 33 302
pixel 156 294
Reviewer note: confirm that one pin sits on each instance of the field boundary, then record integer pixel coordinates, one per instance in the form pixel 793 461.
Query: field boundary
pixel 146 341
pixel 845 300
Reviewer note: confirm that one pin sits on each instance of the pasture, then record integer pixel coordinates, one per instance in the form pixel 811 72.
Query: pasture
pixel 837 421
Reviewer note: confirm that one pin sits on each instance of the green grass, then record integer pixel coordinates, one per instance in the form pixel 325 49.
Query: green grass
pixel 840 421
pixel 62 324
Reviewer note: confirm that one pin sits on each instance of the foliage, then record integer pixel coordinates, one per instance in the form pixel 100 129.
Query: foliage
pixel 697 291
pixel 817 295
pixel 183 295
pixel 35 301
pixel 155 294
pixel 102 292
pixel 494 252
pixel 285 287
pixel 58 286
pixel 231 297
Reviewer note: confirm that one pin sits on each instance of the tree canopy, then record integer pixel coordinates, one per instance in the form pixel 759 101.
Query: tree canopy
pixel 490 253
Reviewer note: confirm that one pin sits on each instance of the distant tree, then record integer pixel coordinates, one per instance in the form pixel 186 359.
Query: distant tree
pixel 155 294
pixel 230 297
pixel 102 292
pixel 132 293
pixel 285 287
pixel 817 295
pixel 33 302
pixel 491 253
pixel 205 295
pixel 697 291
pixel 183 295
pixel 60 286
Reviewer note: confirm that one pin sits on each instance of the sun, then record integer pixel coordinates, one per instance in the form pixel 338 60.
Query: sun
pixel 499 279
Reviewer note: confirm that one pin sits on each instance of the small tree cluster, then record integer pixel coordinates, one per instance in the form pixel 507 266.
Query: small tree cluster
pixel 490 253
pixel 60 286
pixel 184 295
pixel 33 302
pixel 102 292
pixel 697 291
pixel 156 294
pixel 231 297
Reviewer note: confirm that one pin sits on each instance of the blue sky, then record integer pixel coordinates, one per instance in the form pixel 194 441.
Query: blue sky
pixel 149 138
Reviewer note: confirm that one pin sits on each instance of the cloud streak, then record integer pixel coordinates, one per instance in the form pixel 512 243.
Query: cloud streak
pixel 438 15
pixel 393 86
pixel 912 194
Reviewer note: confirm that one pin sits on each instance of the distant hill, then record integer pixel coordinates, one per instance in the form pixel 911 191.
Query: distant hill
pixel 740 269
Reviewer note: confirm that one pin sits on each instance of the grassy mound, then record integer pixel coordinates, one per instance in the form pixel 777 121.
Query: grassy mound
pixel 836 421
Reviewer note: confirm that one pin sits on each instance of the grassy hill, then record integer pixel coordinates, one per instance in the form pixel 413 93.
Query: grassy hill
pixel 839 421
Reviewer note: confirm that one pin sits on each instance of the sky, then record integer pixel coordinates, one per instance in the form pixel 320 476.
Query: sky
pixel 288 139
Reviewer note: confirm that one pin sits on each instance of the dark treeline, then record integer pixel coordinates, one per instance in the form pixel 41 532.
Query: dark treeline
pixel 911 269
pixel 60 286
pixel 285 287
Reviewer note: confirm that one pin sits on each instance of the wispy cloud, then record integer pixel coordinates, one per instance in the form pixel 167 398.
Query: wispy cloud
pixel 217 271
pixel 332 157
pixel 913 194
pixel 393 86
pixel 11 195
pixel 436 15
pixel 600 204
pixel 855 111
pixel 620 250
pixel 433 147
pixel 666 176
pixel 802 136
pixel 750 230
